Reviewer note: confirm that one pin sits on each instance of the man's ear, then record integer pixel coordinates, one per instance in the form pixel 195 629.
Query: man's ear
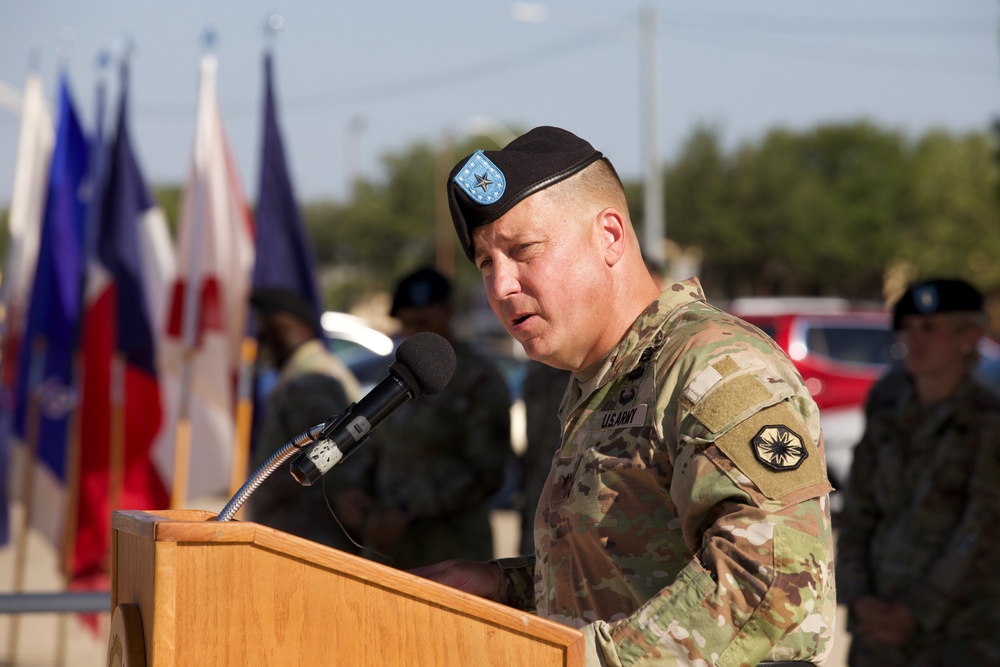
pixel 612 230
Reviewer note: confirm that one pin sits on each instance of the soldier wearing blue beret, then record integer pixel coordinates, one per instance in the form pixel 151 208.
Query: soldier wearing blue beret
pixel 917 564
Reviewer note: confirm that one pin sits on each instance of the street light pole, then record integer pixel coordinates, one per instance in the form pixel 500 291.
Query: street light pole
pixel 655 232
pixel 655 228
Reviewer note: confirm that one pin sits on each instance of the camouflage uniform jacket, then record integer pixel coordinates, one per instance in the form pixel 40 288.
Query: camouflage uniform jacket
pixel 921 520
pixel 686 517
pixel 312 387
pixel 441 458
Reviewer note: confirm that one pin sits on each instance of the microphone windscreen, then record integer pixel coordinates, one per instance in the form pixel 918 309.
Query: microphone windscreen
pixel 429 359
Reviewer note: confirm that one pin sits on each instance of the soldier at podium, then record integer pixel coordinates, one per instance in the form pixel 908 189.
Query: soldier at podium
pixel 685 519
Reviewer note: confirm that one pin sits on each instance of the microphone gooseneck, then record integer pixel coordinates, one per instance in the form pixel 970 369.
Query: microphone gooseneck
pixel 424 364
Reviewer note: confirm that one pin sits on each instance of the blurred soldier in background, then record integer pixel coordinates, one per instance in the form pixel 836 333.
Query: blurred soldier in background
pixel 436 463
pixel 917 564
pixel 312 386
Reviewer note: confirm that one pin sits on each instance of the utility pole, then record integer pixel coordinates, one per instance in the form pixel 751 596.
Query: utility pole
pixel 655 230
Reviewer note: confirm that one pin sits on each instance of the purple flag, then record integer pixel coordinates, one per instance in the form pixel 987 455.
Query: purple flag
pixel 284 257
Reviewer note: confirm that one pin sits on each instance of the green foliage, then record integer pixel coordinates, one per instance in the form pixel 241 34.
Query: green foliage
pixel 168 198
pixel 389 228
pixel 826 211
pixel 956 228
pixel 823 211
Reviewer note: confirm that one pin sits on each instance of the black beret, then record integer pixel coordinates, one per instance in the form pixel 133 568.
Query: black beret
pixel 270 300
pixel 487 184
pixel 423 287
pixel 946 295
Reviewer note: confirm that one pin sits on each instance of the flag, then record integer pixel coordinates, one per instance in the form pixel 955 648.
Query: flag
pixel 121 415
pixel 283 254
pixel 284 257
pixel 31 177
pixel 46 395
pixel 208 309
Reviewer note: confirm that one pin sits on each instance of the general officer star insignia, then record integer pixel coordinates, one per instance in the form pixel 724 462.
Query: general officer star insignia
pixel 483 181
pixel 779 448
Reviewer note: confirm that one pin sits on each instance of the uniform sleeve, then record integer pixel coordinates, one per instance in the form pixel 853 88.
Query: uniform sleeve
pixel 519 574
pixel 970 555
pixel 478 474
pixel 749 484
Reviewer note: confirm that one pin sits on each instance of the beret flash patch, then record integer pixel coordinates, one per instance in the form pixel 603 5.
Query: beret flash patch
pixel 779 448
pixel 481 179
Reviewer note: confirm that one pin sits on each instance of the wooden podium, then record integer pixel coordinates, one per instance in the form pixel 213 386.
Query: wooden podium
pixel 189 590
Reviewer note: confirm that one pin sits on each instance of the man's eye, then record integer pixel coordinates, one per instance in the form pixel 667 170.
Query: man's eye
pixel 522 250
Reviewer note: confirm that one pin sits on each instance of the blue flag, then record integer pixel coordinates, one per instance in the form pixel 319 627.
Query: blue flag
pixel 284 257
pixel 118 248
pixel 45 371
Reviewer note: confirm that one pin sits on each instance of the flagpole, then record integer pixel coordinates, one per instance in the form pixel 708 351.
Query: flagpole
pixel 72 508
pixel 116 461
pixel 248 350
pixel 73 458
pixel 192 302
pixel 244 415
pixel 31 433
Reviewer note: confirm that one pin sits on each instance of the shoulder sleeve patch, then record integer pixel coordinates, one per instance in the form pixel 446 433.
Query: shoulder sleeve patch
pixel 773 448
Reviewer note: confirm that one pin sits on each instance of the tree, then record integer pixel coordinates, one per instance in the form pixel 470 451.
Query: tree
pixel 826 211
pixel 387 228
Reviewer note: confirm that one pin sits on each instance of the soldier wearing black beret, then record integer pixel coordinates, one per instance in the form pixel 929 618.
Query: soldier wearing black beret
pixel 941 295
pixel 917 562
pixel 691 466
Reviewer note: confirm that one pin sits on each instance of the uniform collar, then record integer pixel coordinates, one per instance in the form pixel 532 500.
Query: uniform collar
pixel 646 332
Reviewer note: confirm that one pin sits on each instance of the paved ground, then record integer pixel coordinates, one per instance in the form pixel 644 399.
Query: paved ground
pixel 51 640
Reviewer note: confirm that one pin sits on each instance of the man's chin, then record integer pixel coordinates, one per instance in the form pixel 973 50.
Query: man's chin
pixel 533 349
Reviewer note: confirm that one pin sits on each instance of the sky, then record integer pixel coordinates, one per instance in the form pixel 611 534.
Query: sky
pixel 356 81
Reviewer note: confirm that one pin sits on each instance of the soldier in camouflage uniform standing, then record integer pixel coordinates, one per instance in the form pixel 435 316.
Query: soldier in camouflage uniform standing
pixel 436 464
pixel 312 387
pixel 918 563
pixel 685 520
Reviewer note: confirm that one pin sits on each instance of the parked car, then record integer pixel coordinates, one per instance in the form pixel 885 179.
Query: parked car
pixel 353 338
pixel 840 348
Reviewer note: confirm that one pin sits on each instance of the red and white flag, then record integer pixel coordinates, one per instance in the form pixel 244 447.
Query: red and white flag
pixel 27 205
pixel 208 310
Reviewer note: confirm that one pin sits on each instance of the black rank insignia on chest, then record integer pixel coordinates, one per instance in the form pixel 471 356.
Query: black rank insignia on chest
pixel 627 395
pixel 779 448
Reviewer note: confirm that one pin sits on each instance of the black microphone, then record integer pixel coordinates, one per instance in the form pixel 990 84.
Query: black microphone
pixel 424 364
